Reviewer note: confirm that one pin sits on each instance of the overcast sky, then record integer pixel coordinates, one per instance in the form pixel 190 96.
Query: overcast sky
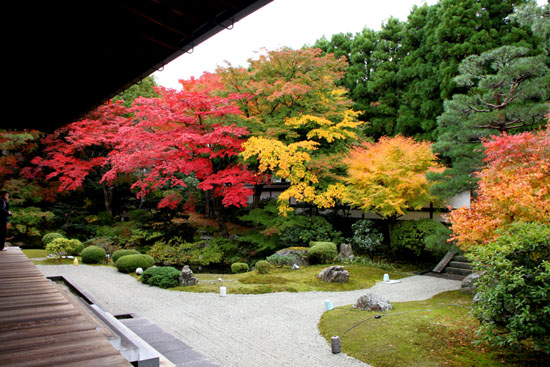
pixel 281 23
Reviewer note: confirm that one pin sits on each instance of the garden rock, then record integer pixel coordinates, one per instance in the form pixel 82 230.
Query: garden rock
pixel 187 277
pixel 301 255
pixel 373 302
pixel 469 283
pixel 346 253
pixel 335 274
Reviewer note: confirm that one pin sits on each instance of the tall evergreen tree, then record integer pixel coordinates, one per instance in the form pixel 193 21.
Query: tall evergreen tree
pixel 508 92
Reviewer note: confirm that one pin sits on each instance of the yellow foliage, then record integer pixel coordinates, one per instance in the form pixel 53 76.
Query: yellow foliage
pixel 290 162
pixel 328 129
pixel 389 177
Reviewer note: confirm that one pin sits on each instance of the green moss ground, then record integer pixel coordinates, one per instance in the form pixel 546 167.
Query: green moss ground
pixel 287 280
pixel 435 332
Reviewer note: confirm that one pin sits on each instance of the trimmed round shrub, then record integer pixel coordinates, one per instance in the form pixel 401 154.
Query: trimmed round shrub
pixel 322 253
pixel 313 243
pixel 49 237
pixel 262 267
pixel 120 253
pixel 129 263
pixel 64 246
pixel 162 276
pixel 93 255
pixel 239 268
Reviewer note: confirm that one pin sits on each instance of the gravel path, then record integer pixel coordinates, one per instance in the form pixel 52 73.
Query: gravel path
pixel 277 329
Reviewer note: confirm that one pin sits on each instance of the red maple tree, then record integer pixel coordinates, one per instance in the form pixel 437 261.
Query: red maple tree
pixel 181 134
pixel 513 187
pixel 80 148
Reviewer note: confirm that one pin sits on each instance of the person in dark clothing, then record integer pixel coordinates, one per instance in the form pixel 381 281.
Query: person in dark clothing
pixel 4 217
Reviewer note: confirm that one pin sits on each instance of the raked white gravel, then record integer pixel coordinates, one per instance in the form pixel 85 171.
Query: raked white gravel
pixel 268 330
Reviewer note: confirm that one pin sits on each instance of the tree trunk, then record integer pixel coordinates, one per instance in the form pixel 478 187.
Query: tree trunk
pixel 108 198
pixel 258 189
pixel 391 221
pixel 218 208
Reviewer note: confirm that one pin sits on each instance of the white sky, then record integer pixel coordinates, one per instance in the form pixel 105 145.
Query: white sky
pixel 281 23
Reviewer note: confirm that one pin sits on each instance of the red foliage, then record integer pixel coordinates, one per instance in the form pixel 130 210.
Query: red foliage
pixel 79 148
pixel 184 133
pixel 514 186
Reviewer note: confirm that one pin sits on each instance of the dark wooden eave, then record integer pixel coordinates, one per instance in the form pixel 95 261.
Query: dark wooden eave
pixel 64 58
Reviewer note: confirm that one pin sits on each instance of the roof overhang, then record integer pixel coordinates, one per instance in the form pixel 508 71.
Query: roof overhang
pixel 70 56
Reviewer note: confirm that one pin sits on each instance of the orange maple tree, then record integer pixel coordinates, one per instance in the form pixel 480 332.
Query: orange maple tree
pixel 514 187
pixel 389 177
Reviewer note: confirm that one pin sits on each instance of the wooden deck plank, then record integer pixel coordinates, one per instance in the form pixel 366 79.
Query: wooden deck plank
pixel 40 327
pixel 50 327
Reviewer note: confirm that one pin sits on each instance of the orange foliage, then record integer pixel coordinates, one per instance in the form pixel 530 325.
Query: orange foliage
pixel 514 186
pixel 389 177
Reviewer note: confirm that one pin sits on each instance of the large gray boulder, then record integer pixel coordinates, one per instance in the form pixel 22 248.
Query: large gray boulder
pixel 300 254
pixel 187 277
pixel 373 302
pixel 335 274
pixel 469 285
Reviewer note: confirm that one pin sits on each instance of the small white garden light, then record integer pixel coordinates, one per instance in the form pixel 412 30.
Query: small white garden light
pixel 329 305
pixel 223 291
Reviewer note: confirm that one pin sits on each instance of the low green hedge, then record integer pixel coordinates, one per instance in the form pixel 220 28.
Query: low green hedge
pixel 49 237
pixel 63 246
pixel 262 267
pixel 163 277
pixel 93 255
pixel 322 253
pixel 129 263
pixel 120 253
pixel 239 268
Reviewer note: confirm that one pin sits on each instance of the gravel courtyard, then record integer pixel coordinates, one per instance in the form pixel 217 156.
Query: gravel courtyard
pixel 277 329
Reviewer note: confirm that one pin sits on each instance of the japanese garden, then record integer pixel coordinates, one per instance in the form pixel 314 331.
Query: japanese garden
pixel 347 154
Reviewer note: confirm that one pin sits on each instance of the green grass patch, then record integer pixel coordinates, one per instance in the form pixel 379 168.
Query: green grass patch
pixel 435 332
pixel 38 257
pixel 286 279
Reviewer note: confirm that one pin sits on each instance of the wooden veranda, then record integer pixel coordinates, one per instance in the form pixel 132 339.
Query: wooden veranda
pixel 40 327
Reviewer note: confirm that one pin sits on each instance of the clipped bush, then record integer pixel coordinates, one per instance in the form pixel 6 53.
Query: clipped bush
pixel 120 253
pixel 513 292
pixel 49 237
pixel 93 255
pixel 239 268
pixel 314 243
pixel 163 277
pixel 64 246
pixel 282 260
pixel 129 263
pixel 103 242
pixel 262 267
pixel 322 253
